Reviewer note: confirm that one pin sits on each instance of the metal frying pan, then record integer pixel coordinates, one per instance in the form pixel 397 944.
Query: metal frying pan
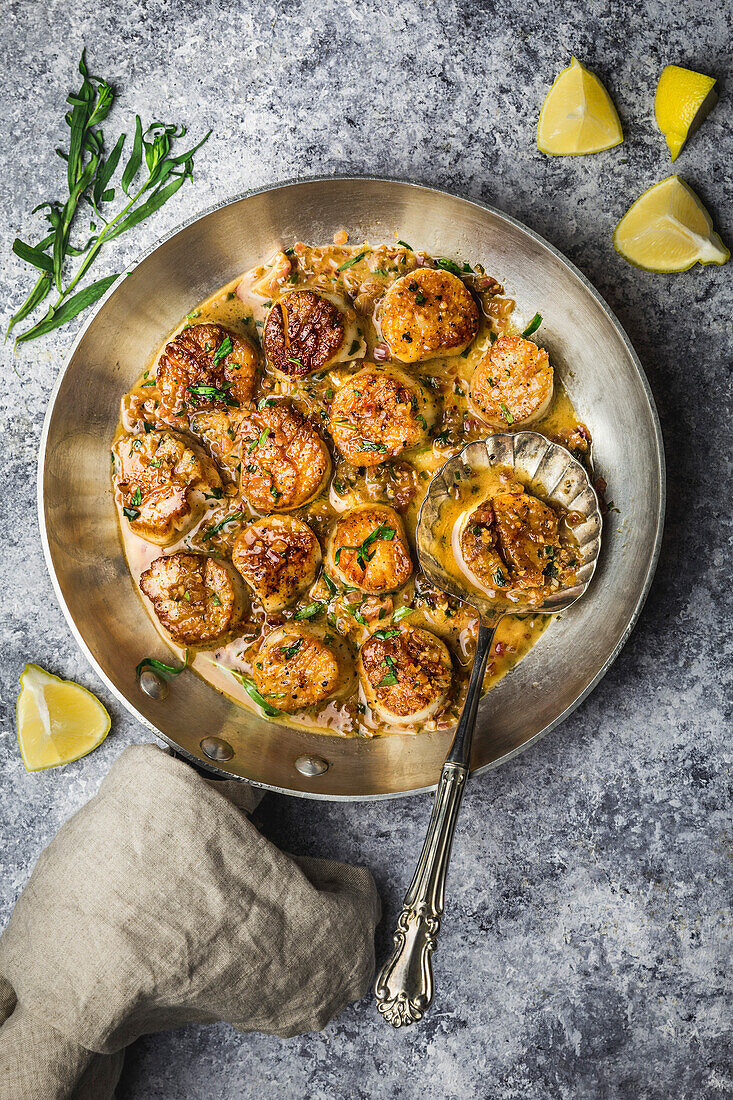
pixel 79 527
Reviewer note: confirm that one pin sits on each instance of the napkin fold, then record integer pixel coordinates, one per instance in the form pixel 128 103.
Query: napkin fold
pixel 160 904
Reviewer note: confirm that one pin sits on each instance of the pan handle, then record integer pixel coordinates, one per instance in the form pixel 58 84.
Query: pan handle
pixel 404 987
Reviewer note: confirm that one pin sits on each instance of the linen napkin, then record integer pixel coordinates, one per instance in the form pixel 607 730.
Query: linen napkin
pixel 160 904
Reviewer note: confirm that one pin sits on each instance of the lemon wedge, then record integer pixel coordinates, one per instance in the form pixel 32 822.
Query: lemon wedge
pixel 578 115
pixel 683 99
pixel 58 721
pixel 668 229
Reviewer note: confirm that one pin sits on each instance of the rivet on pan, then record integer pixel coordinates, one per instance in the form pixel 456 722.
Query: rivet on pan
pixel 216 748
pixel 153 685
pixel 311 765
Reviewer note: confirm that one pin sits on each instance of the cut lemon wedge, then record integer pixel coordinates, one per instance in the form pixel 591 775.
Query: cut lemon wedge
pixel 58 721
pixel 578 115
pixel 668 229
pixel 683 99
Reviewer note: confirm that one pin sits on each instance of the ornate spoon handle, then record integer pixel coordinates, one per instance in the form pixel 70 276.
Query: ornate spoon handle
pixel 404 987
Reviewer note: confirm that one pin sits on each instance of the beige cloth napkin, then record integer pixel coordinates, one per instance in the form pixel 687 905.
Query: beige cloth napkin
pixel 159 904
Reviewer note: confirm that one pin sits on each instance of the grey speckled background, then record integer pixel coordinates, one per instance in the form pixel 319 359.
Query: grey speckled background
pixel 587 941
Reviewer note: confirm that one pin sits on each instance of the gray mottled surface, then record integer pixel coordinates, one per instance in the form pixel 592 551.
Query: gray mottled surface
pixel 587 941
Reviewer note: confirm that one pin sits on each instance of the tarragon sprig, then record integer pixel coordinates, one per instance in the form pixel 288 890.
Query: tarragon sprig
pixel 89 174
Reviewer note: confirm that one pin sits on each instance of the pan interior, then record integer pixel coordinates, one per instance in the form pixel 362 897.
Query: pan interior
pixel 587 348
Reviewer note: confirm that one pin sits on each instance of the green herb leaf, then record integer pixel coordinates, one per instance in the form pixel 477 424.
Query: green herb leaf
pixel 401 613
pixel 384 634
pixel 130 513
pixel 311 611
pixel 136 157
pixel 223 350
pixel 70 308
pixel 388 680
pixel 161 666
pixel 507 415
pixel 350 263
pixel 137 497
pixel 449 265
pixel 32 255
pixel 405 245
pixel 533 325
pixel 211 531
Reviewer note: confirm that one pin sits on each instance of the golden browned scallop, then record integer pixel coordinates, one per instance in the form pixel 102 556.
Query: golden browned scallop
pixel 198 599
pixel 512 385
pixel 368 549
pixel 164 481
pixel 295 668
pixel 512 545
pixel 278 556
pixel 405 674
pixel 526 529
pixel 378 414
pixel 428 313
pixel 306 331
pixel 285 463
pixel 203 367
pixel 478 550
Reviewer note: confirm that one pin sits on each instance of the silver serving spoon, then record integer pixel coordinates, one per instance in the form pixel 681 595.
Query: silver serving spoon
pixel 404 987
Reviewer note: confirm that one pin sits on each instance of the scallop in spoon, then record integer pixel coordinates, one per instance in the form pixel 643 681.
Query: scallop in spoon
pixel 550 474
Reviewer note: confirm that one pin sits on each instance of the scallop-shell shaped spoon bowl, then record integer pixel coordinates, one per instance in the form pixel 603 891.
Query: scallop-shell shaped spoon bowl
pixel 546 469
pixel 404 987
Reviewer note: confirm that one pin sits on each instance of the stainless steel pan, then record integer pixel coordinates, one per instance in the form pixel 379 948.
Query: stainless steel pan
pixel 78 524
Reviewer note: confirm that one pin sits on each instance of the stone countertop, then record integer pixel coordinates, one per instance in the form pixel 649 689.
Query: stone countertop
pixel 587 937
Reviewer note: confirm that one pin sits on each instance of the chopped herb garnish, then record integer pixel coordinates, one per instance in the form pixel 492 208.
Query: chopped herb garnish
pixel 249 686
pixel 422 420
pixel 266 403
pixel 131 513
pixel 298 363
pixel 507 415
pixel 223 350
pixel 161 666
pixel 449 265
pixel 406 337
pixel 211 531
pixel 310 611
pixel 405 245
pixel 467 268
pixel 388 680
pixel 500 578
pixel 350 263
pixel 263 437
pixel 332 588
pixel 371 445
pixel 215 600
pixel 137 497
pixel 384 634
pixel 287 652
pixel 533 325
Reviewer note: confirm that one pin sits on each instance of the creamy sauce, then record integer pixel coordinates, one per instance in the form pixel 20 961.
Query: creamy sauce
pixel 402 483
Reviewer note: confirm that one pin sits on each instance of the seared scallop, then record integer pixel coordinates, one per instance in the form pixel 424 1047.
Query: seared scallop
pixel 278 556
pixel 307 331
pixel 512 385
pixel 428 313
pixel 378 414
pixel 368 549
pixel 295 668
pixel 205 367
pixel 405 676
pixel 285 463
pixel 513 542
pixel 164 481
pixel 198 599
